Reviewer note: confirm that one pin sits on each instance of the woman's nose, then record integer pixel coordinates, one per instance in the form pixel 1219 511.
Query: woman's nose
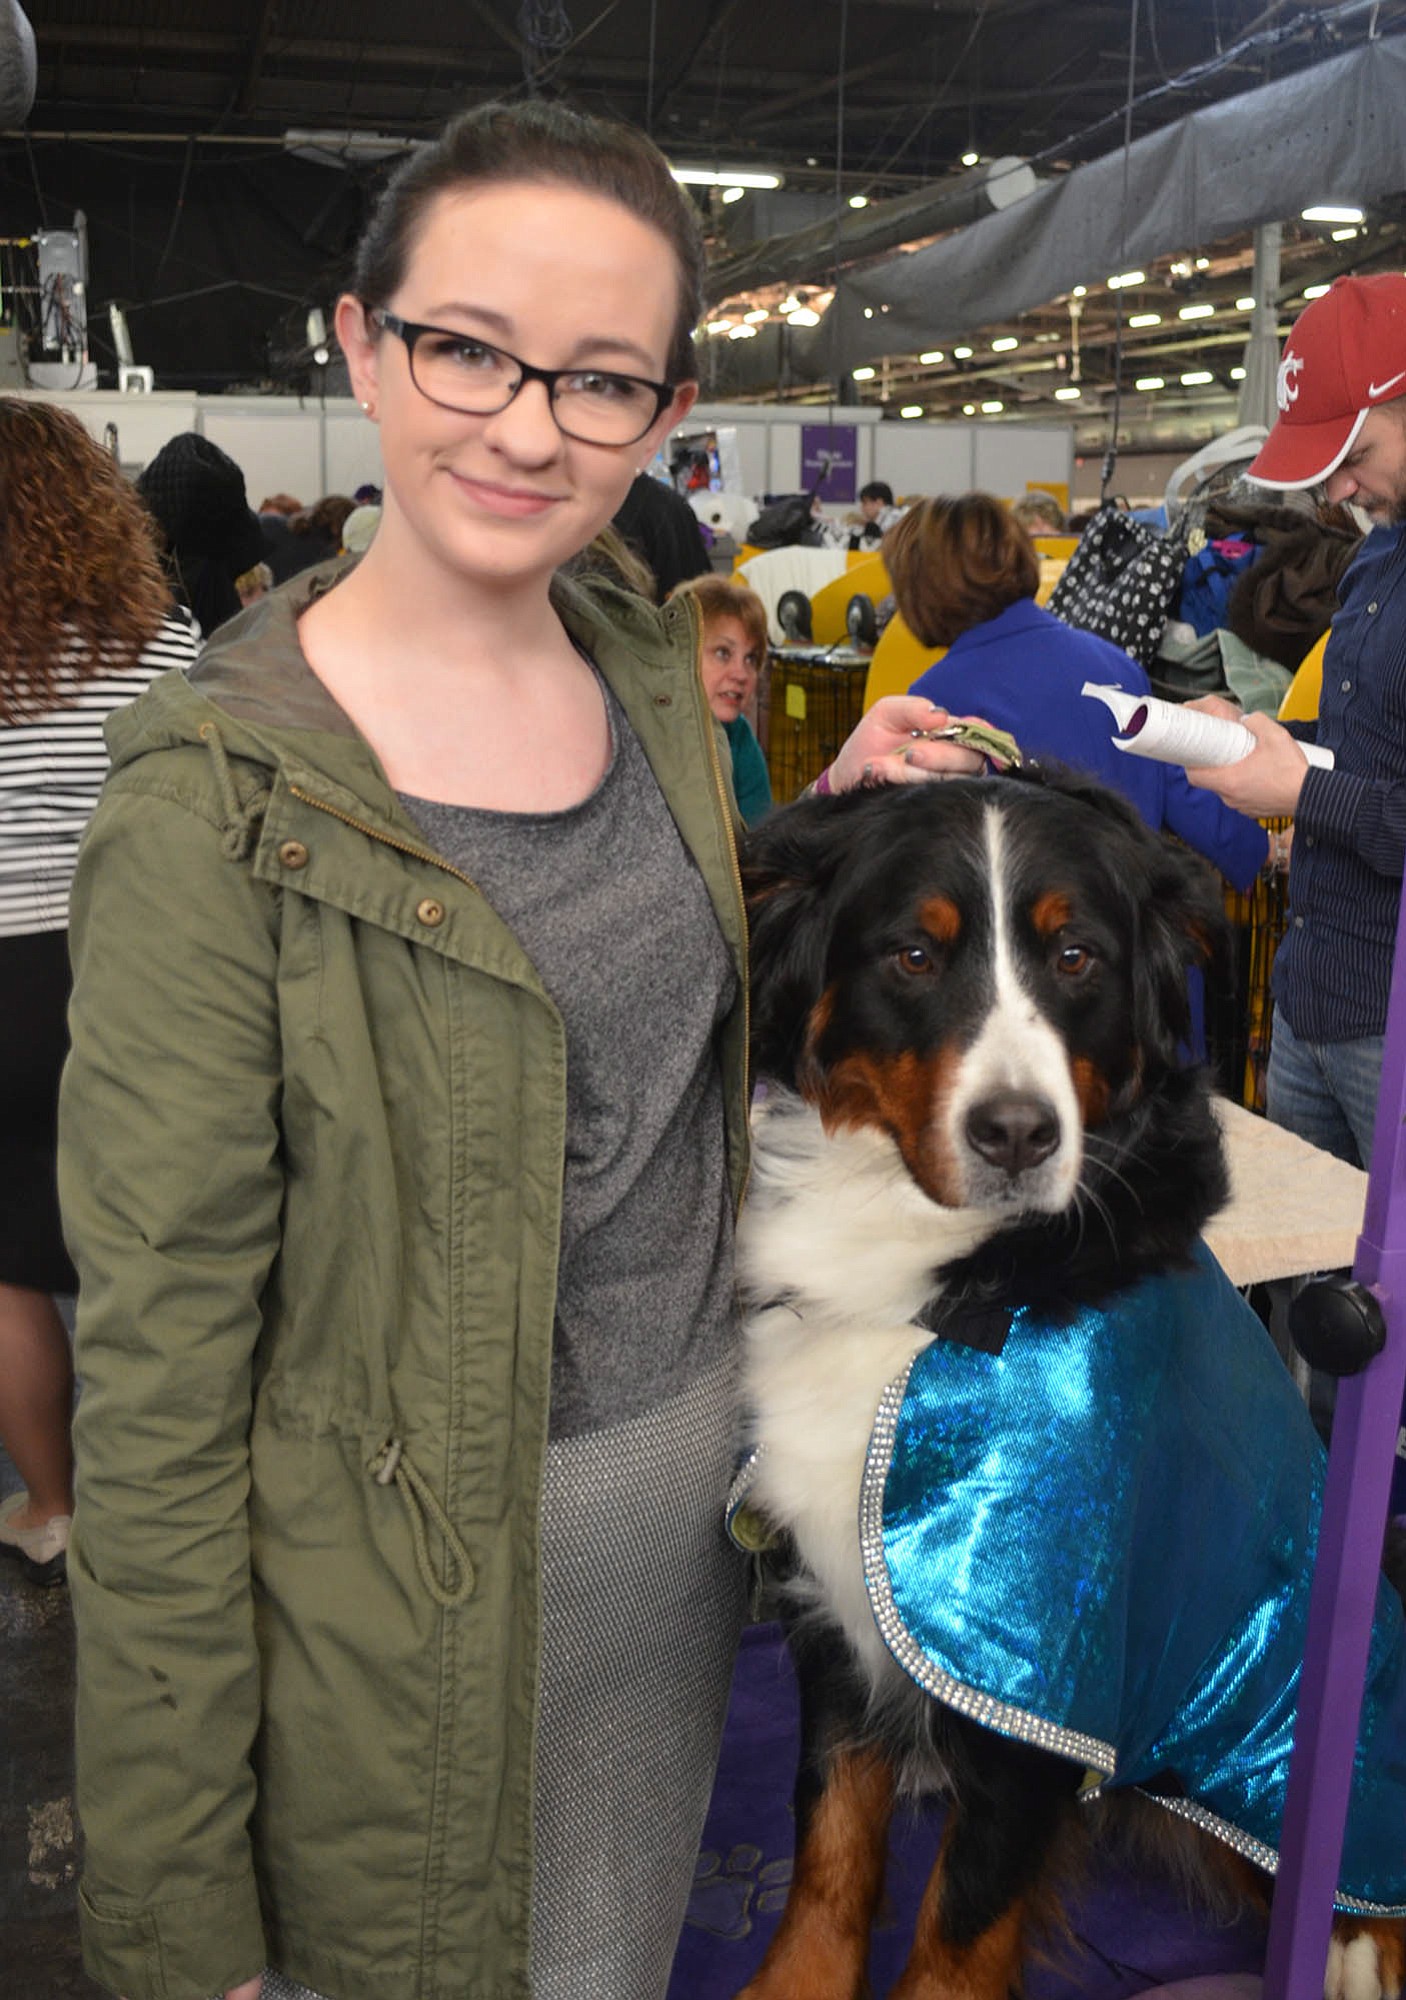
pixel 525 428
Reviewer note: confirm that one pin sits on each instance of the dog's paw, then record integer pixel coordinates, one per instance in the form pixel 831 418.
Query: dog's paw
pixel 729 1891
pixel 1366 1962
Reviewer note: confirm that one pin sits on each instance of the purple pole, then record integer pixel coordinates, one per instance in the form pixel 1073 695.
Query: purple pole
pixel 1360 1464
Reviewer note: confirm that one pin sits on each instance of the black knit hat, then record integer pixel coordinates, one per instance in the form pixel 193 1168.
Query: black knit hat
pixel 196 491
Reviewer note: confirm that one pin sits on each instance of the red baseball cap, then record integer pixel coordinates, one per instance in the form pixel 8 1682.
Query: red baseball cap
pixel 1346 353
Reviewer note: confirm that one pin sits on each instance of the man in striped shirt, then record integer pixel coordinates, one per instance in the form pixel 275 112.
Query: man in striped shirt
pixel 1342 427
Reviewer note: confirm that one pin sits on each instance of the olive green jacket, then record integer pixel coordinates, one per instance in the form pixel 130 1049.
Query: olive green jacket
pixel 311 1166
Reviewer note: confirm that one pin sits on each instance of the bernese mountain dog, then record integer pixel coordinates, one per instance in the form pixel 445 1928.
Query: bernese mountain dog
pixel 1048 1498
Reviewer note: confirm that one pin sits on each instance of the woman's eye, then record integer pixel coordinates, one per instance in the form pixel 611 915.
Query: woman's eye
pixel 1073 960
pixel 602 388
pixel 466 354
pixel 913 958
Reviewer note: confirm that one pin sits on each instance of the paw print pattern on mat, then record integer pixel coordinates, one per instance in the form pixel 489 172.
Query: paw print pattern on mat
pixel 729 1892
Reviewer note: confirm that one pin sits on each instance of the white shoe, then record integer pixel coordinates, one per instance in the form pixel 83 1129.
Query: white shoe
pixel 42 1552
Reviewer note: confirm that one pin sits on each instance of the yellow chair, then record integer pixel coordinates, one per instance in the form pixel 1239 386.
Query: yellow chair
pixel 865 575
pixel 898 661
pixel 1300 703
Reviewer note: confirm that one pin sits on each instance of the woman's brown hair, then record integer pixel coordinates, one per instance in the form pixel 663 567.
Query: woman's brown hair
pixel 955 563
pixel 81 583
pixel 717 597
pixel 537 140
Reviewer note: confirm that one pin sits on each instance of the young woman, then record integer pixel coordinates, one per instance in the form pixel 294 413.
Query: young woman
pixel 403 1132
pixel 86 625
pixel 730 661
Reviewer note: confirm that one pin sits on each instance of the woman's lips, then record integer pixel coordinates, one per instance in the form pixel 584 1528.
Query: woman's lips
pixel 515 502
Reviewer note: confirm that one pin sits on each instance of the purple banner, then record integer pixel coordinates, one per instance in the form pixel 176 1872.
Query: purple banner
pixel 838 442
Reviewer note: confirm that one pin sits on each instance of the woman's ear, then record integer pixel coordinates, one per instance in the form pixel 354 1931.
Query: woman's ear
pixel 361 345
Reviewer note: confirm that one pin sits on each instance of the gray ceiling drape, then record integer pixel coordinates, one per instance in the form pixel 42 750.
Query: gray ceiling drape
pixel 17 64
pixel 1336 131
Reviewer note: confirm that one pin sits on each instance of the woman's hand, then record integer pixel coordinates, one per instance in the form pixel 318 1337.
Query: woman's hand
pixel 882 748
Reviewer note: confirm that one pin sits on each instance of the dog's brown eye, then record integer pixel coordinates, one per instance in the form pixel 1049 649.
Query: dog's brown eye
pixel 1073 960
pixel 914 959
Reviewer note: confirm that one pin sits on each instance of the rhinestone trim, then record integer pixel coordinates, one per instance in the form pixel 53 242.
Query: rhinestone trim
pixel 1262 1856
pixel 955 1694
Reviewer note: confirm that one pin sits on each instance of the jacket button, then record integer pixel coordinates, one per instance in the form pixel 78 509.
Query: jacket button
pixel 663 701
pixel 429 911
pixel 293 854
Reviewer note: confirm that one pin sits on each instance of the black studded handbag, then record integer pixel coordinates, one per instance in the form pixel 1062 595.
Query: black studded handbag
pixel 1122 582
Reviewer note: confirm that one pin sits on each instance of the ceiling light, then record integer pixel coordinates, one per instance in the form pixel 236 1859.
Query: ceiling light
pixel 733 193
pixel 1004 344
pixel 1066 395
pixel 1145 319
pixel 1197 378
pixel 1079 292
pixel 803 316
pixel 868 312
pixel 992 409
pixel 1150 382
pixel 862 374
pixel 1182 268
pixel 1203 263
pixel 716 326
pixel 1203 310
pixel 859 201
pixel 1314 291
pixel 1345 235
pixel 789 304
pixel 705 177
pixel 1237 374
pixel 1126 278
pixel 970 159
pixel 756 316
pixel 1327 211
pixel 961 354
pixel 911 410
pixel 1244 305
pixel 743 332
pixel 932 357
pixel 969 409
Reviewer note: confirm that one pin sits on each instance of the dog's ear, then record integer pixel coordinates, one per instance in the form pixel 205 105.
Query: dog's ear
pixel 788 863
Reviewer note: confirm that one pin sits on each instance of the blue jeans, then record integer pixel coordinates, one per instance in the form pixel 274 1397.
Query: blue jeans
pixel 1325 1091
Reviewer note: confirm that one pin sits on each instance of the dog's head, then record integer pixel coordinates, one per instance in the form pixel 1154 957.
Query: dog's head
pixel 989 971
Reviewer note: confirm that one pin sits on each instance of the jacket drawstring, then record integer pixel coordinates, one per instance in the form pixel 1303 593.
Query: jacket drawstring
pixel 237 834
pixel 392 1467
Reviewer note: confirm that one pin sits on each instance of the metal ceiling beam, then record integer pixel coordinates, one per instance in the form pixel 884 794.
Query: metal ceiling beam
pixel 258 43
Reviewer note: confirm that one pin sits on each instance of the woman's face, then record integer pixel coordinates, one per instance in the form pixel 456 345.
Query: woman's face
pixel 561 278
pixel 731 663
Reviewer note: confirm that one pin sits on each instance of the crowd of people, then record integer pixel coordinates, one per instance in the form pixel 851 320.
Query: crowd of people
pixel 403 1117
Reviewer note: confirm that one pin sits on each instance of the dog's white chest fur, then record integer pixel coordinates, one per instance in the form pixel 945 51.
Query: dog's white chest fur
pixel 838 1235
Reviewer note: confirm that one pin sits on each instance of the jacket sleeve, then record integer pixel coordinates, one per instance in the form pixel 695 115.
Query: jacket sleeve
pixel 1364 816
pixel 1237 844
pixel 171 1188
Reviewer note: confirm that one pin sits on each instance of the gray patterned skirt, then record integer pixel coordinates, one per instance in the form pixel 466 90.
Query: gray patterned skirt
pixel 642 1605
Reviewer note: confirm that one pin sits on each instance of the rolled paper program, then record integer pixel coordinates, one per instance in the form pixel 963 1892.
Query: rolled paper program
pixel 1171 734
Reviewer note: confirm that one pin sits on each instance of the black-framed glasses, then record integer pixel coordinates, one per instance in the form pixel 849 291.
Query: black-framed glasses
pixel 461 372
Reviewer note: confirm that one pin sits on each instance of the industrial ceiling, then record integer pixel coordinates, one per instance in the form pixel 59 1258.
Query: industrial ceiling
pixel 171 127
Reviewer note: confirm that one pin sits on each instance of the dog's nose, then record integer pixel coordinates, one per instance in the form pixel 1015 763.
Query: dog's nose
pixel 1013 1129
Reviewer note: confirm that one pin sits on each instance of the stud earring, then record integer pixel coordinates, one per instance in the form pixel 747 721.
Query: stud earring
pixel 367 408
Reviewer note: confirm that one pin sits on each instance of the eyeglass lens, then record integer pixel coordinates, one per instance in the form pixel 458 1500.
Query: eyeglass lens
pixel 470 375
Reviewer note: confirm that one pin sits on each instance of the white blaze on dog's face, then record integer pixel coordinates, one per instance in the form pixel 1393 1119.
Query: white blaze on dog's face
pixel 973 962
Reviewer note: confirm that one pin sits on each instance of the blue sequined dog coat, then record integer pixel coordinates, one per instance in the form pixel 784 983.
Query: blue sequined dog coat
pixel 1100 1539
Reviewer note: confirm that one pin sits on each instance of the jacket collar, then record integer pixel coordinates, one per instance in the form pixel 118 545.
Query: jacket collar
pixel 1014 622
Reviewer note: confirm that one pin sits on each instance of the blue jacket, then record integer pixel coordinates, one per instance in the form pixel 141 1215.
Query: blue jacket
pixel 1023 670
pixel 1101 1540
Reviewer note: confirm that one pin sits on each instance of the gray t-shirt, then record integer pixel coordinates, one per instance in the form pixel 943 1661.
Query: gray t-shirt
pixel 607 903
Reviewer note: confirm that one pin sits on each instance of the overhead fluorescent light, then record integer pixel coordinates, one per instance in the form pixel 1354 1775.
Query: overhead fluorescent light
pixel 1070 395
pixel 343 149
pixel 716 326
pixel 992 409
pixel 1004 345
pixel 1344 235
pixel 1144 319
pixel 1203 310
pixel 1244 305
pixel 743 332
pixel 1197 378
pixel 859 201
pixel 868 312
pixel 969 409
pixel 1121 282
pixel 733 193
pixel 1237 374
pixel 803 316
pixel 1079 292
pixel 1331 211
pixel 932 357
pixel 911 410
pixel 1314 291
pixel 961 354
pixel 1150 382
pixel 756 316
pixel 706 177
pixel 971 159
pixel 1203 263
pixel 862 374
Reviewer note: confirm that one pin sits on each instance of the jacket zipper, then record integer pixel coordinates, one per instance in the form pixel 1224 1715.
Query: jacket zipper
pixel 400 846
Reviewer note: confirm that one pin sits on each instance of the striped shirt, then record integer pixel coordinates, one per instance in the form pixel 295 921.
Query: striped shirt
pixel 51 771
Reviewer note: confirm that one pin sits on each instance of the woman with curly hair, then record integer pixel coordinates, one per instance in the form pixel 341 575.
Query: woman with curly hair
pixel 85 626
